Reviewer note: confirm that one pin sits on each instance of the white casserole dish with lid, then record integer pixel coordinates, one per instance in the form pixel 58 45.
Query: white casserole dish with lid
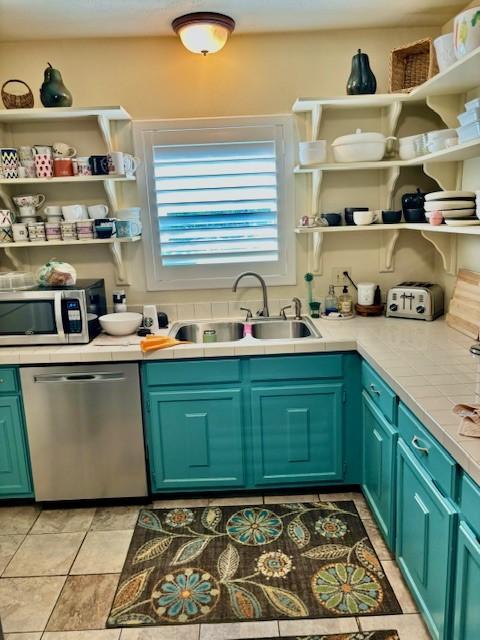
pixel 360 147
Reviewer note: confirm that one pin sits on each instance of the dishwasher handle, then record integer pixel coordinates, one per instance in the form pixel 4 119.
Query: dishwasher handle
pixel 80 377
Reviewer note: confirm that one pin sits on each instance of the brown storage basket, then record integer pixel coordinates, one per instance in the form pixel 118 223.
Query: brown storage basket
pixel 412 65
pixel 12 101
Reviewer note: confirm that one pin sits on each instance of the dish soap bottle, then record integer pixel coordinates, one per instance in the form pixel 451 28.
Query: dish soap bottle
pixel 331 301
pixel 345 302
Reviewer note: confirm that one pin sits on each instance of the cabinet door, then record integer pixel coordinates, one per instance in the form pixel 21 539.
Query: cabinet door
pixel 467 586
pixel 195 439
pixel 379 443
pixel 297 433
pixel 14 463
pixel 425 521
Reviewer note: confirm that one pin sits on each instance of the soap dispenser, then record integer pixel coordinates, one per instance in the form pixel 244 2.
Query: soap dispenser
pixel 345 302
pixel 331 301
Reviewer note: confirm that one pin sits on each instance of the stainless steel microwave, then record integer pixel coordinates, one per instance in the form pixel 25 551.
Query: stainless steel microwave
pixel 54 315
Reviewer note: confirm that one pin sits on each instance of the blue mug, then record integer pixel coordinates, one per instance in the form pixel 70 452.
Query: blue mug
pixel 128 228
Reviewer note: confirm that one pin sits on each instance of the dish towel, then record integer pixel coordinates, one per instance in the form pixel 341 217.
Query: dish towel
pixel 152 343
pixel 470 425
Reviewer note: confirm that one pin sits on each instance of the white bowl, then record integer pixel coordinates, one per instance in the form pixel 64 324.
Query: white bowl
pixel 360 147
pixel 121 324
pixel 312 152
pixel 445 51
pixel 466 29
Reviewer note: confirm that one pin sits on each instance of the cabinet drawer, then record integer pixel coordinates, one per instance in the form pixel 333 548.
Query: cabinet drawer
pixel 192 372
pixel 379 392
pixel 470 502
pixel 427 451
pixel 296 367
pixel 8 381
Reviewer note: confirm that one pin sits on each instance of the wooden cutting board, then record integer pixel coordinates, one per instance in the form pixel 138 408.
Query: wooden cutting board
pixel 464 311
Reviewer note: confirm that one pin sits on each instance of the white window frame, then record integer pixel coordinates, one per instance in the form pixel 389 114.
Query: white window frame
pixel 161 278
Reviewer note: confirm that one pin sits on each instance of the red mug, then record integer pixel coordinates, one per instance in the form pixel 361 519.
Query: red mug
pixel 63 167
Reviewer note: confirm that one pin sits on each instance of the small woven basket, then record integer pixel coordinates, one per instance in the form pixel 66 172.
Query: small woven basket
pixel 412 65
pixel 13 101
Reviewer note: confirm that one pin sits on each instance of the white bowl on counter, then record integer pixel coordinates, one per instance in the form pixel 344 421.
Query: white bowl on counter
pixel 312 152
pixel 121 324
pixel 360 147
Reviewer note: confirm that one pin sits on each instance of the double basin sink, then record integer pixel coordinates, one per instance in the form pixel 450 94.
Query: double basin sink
pixel 262 329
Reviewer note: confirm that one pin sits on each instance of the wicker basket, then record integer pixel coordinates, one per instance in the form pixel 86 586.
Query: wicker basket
pixel 412 65
pixel 12 101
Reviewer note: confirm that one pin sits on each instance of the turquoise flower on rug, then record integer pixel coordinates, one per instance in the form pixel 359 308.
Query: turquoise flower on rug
pixel 185 596
pixel 254 526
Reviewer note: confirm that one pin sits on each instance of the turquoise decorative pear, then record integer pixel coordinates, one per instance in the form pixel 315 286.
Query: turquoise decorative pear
pixel 361 80
pixel 53 93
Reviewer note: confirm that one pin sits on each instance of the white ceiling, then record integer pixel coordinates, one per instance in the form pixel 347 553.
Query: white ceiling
pixel 50 19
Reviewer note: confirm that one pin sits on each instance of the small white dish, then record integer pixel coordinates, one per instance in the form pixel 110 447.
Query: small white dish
pixel 473 222
pixel 444 195
pixel 457 213
pixel 449 204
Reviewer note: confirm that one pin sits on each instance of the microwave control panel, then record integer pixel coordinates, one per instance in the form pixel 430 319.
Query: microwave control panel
pixel 74 319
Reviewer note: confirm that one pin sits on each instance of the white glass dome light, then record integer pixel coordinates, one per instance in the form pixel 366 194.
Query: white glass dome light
pixel 203 32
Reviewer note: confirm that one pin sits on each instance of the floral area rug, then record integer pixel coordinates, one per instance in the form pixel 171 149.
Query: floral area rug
pixel 227 564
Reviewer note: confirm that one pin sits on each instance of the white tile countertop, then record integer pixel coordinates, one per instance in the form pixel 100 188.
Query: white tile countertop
pixel 426 363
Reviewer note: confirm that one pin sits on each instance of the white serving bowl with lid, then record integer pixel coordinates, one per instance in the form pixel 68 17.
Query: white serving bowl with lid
pixel 360 147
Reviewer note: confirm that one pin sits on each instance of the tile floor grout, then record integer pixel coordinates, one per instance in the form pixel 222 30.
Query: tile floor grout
pixel 365 516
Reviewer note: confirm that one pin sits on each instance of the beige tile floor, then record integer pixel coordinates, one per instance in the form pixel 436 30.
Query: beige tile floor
pixel 59 569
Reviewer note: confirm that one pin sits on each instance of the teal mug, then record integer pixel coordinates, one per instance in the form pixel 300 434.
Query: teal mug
pixel 128 228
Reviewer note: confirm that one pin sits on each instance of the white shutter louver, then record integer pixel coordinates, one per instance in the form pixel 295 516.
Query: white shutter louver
pixel 216 203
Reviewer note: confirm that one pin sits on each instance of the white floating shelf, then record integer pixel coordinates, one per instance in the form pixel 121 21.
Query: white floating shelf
pixel 59 243
pixel 12 116
pixel 459 153
pixel 459 78
pixel 355 166
pixel 409 226
pixel 68 179
pixel 377 100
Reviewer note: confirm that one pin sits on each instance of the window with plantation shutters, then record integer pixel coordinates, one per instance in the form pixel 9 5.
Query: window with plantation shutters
pixel 219 198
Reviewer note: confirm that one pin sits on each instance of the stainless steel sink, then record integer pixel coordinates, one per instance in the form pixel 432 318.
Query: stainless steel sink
pixel 207 331
pixel 288 329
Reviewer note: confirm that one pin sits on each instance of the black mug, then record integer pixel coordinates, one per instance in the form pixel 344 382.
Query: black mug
pixel 104 228
pixel 98 165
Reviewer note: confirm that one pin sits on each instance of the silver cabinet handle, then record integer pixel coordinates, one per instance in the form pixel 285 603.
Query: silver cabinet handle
pixel 374 390
pixel 416 446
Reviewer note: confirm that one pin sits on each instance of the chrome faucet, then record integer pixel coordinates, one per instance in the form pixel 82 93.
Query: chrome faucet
pixel 263 312
pixel 298 308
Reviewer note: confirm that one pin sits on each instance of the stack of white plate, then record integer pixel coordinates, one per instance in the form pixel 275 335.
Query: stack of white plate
pixel 458 205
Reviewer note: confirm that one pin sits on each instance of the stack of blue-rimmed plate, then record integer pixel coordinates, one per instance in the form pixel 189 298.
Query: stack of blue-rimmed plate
pixel 453 205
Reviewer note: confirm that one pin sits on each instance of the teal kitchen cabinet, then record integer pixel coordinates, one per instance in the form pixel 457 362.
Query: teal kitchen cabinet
pixel 15 478
pixel 379 466
pixel 297 433
pixel 195 439
pixel 466 609
pixel 244 423
pixel 467 586
pixel 425 535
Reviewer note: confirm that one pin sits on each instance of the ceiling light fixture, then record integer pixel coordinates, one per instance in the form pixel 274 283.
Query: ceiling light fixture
pixel 203 32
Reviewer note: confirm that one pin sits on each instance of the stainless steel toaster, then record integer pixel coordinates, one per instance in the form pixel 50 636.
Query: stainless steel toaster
pixel 417 300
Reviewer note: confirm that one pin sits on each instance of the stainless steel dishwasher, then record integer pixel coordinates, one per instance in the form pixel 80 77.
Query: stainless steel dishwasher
pixel 85 432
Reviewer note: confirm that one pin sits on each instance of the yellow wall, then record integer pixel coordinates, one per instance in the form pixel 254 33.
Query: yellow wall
pixel 158 78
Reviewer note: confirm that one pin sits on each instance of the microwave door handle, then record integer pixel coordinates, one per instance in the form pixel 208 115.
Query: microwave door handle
pixel 58 316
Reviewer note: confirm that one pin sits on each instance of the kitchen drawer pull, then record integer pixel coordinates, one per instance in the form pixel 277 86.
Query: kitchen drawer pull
pixel 374 390
pixel 416 446
pixel 2 381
